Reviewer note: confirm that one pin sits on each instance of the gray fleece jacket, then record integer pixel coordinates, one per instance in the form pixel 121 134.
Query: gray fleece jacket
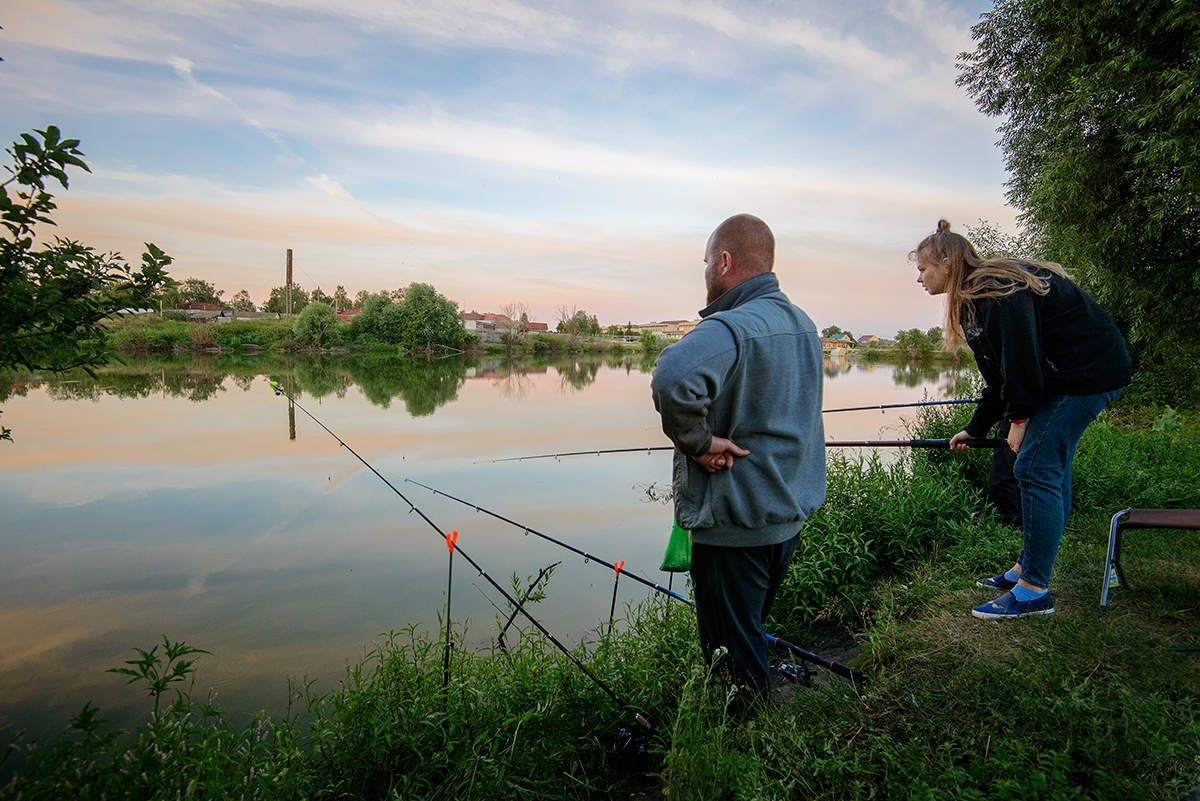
pixel 750 372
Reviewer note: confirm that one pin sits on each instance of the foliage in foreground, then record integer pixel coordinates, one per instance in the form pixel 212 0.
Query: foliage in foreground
pixel 512 724
pixel 53 297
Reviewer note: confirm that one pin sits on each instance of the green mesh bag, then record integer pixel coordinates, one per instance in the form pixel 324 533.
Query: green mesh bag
pixel 678 557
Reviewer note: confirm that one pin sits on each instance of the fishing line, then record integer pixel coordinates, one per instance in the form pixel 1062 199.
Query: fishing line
pixel 637 716
pixel 835 667
pixel 902 405
pixel 587 557
pixel 858 443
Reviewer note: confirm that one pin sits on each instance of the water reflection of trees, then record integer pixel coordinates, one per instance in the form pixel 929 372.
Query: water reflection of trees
pixel 646 362
pixel 196 387
pixel 913 374
pixel 320 378
pixel 512 384
pixel 578 374
pixel 961 381
pixel 422 384
pixel 193 384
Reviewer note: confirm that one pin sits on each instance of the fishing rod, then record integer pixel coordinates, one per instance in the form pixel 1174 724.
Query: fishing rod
pixel 902 405
pixel 859 443
pixel 637 716
pixel 917 443
pixel 834 667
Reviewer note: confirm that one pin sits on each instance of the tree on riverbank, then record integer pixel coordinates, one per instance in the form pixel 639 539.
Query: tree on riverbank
pixel 197 290
pixel 422 316
pixel 315 324
pixel 917 344
pixel 1100 105
pixel 512 335
pixel 54 297
pixel 277 302
pixel 242 302
pixel 832 331
pixel 428 318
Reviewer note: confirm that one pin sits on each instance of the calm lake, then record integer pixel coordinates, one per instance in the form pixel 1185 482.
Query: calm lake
pixel 185 498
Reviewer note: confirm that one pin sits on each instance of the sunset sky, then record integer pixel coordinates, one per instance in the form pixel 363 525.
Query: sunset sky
pixel 550 153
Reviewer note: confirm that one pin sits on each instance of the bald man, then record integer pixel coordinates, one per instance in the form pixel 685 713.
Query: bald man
pixel 740 397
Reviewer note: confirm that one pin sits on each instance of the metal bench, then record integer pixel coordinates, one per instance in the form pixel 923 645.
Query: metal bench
pixel 1139 518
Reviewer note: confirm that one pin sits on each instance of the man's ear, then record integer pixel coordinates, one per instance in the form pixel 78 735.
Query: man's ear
pixel 726 263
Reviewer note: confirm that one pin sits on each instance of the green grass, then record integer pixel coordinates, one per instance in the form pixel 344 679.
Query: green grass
pixel 1082 704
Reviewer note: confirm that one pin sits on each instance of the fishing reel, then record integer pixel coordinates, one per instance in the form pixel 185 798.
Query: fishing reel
pixel 632 746
pixel 797 673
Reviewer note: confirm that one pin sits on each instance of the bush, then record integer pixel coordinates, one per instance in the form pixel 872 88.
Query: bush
pixel 134 337
pixel 263 333
pixel 315 325
pixel 202 334
pixel 651 343
pixel 1118 468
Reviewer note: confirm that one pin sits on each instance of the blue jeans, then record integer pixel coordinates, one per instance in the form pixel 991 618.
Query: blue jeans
pixel 1043 470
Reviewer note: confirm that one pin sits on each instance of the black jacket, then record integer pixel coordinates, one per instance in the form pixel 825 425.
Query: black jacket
pixel 1030 347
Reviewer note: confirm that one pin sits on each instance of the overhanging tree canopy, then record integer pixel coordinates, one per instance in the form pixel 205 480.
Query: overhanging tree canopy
pixel 1100 103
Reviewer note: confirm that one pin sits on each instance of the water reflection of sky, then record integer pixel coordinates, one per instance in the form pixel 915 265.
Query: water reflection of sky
pixel 186 510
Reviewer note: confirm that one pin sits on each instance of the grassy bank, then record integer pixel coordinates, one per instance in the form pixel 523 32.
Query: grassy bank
pixel 144 335
pixel 1082 704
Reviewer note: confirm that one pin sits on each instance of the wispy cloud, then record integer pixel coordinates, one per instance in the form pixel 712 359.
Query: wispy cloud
pixel 893 70
pixel 183 68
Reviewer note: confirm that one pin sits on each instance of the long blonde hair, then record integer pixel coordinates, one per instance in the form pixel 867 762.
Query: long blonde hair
pixel 972 278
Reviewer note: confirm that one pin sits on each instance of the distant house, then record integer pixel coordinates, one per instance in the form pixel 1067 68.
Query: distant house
pixel 346 314
pixel 842 340
pixel 488 324
pixel 487 317
pixel 668 329
pixel 868 339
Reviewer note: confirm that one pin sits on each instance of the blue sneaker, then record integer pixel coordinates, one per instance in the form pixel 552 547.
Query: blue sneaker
pixel 998 582
pixel 1007 606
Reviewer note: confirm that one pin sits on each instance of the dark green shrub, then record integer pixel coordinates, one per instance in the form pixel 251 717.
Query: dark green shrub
pixel 315 324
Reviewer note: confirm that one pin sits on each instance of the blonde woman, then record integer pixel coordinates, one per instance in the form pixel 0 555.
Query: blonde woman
pixel 1052 359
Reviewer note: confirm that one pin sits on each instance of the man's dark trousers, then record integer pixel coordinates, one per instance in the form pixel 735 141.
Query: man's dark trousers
pixel 734 589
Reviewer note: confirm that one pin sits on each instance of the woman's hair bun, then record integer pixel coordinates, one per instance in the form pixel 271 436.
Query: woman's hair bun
pixel 943 226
